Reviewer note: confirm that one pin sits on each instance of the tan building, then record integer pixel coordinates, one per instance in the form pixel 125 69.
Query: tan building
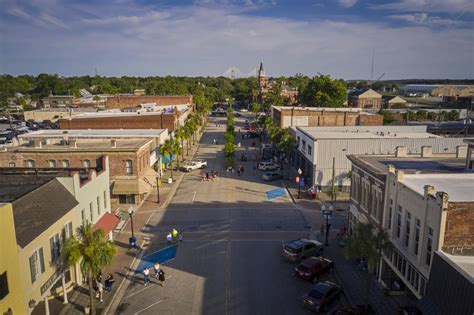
pixel 286 116
pixel 424 202
pixel 44 215
pixel 130 100
pixel 57 101
pixel 453 90
pixel 368 99
pixel 389 101
pixel 54 114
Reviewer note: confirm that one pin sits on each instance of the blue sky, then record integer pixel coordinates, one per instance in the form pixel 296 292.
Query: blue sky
pixel 409 38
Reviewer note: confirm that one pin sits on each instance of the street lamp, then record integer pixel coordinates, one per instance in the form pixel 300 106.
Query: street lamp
pixel 327 214
pixel 158 187
pixel 132 240
pixel 299 182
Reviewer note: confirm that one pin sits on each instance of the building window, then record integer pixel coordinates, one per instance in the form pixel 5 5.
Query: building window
pixel 390 211
pixel 83 216
pixel 298 138
pixel 91 211
pixel 129 167
pixel 417 236
pixel 309 149
pixel 429 246
pixel 3 285
pixel 98 205
pixel 36 264
pixel 407 228
pixel 303 147
pixel 11 164
pixel 66 232
pixel 30 163
pixel 55 248
pixel 127 199
pixel 65 163
pixel 52 163
pixel 399 221
pixel 87 163
pixel 105 199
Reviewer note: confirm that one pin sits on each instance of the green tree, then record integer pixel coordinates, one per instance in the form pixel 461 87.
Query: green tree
pixel 181 136
pixel 91 249
pixel 177 150
pixel 167 149
pixel 369 242
pixel 322 91
pixel 287 144
pixel 387 117
pixel 255 108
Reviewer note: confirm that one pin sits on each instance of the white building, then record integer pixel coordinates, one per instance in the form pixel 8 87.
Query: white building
pixel 318 146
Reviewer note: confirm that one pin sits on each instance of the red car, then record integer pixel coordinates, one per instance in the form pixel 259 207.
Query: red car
pixel 314 267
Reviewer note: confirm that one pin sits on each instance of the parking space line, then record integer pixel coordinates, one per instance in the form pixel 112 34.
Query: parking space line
pixel 128 296
pixel 141 311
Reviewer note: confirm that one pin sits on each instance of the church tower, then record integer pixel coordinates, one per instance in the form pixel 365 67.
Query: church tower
pixel 262 79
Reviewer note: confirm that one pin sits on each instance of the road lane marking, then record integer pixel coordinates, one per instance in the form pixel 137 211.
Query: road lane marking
pixel 141 311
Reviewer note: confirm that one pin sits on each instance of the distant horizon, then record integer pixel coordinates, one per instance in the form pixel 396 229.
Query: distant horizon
pixel 348 39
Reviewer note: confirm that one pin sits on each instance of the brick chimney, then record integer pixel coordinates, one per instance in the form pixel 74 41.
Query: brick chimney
pixel 426 151
pixel 401 151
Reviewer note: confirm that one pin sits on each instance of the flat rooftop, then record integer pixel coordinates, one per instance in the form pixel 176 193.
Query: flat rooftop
pixel 166 110
pixel 365 132
pixel 411 165
pixel 84 145
pixel 459 186
pixel 94 133
pixel 324 109
pixel 65 110
pixel 465 264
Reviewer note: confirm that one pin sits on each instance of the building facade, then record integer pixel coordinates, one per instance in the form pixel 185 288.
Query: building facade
pixel 285 116
pixel 57 101
pixel 368 100
pixel 130 100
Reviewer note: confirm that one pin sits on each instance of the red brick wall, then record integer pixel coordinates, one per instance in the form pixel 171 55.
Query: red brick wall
pixel 325 118
pixel 130 101
pixel 166 121
pixel 459 225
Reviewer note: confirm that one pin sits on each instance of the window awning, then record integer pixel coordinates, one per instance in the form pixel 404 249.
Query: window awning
pixel 107 222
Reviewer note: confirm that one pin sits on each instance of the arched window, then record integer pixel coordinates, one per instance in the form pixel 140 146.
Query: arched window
pixel 52 163
pixel 129 166
pixel 30 163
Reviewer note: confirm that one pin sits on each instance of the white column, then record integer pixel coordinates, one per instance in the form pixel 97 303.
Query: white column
pixel 46 306
pixel 63 280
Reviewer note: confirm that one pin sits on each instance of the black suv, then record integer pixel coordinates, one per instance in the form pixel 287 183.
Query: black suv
pixel 322 295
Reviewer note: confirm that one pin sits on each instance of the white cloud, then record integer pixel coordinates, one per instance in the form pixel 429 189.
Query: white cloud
pixel 347 3
pixel 425 19
pixel 447 6
pixel 196 40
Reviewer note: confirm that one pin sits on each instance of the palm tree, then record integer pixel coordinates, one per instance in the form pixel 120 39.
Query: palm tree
pixel 287 144
pixel 167 149
pixel 92 250
pixel 181 135
pixel 177 150
pixel 187 135
pixel 368 242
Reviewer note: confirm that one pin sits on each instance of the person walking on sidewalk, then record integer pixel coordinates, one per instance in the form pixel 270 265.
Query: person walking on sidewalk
pixel 109 281
pixel 100 289
pixel 161 278
pixel 146 276
pixel 156 267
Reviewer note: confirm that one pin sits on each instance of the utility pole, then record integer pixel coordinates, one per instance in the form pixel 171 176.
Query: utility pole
pixel 333 197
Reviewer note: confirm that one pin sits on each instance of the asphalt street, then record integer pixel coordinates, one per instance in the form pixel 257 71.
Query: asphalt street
pixel 230 261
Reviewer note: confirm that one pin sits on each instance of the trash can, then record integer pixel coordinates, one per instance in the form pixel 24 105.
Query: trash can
pixel 133 241
pixel 170 180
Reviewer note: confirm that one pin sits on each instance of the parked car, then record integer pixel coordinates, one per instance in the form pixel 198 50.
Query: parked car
pixel 314 267
pixel 267 166
pixel 253 134
pixel 271 176
pixel 322 295
pixel 244 110
pixel 193 165
pixel 300 249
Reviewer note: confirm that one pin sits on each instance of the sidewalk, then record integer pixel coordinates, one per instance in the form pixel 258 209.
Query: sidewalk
pixel 79 297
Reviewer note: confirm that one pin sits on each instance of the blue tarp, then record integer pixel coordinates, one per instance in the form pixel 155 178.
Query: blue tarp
pixel 161 256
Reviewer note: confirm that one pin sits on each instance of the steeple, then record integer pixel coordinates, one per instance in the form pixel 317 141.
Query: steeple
pixel 261 71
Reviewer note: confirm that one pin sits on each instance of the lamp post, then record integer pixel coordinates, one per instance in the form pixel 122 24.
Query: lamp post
pixel 327 214
pixel 158 187
pixel 132 240
pixel 299 182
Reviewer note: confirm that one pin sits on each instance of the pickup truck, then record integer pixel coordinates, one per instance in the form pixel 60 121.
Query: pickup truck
pixel 194 165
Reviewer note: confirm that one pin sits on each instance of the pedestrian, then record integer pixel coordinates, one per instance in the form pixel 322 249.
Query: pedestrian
pixel 174 233
pixel 95 288
pixel 100 289
pixel 207 176
pixel 169 238
pixel 180 238
pixel 146 276
pixel 156 267
pixel 238 171
pixel 109 282
pixel 161 278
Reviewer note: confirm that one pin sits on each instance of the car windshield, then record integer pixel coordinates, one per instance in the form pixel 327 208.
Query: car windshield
pixel 316 294
pixel 291 249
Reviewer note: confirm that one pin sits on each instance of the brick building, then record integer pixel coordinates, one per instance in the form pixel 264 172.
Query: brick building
pixel 424 202
pixel 130 100
pixel 368 99
pixel 285 116
pixel 164 119
pixel 131 174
